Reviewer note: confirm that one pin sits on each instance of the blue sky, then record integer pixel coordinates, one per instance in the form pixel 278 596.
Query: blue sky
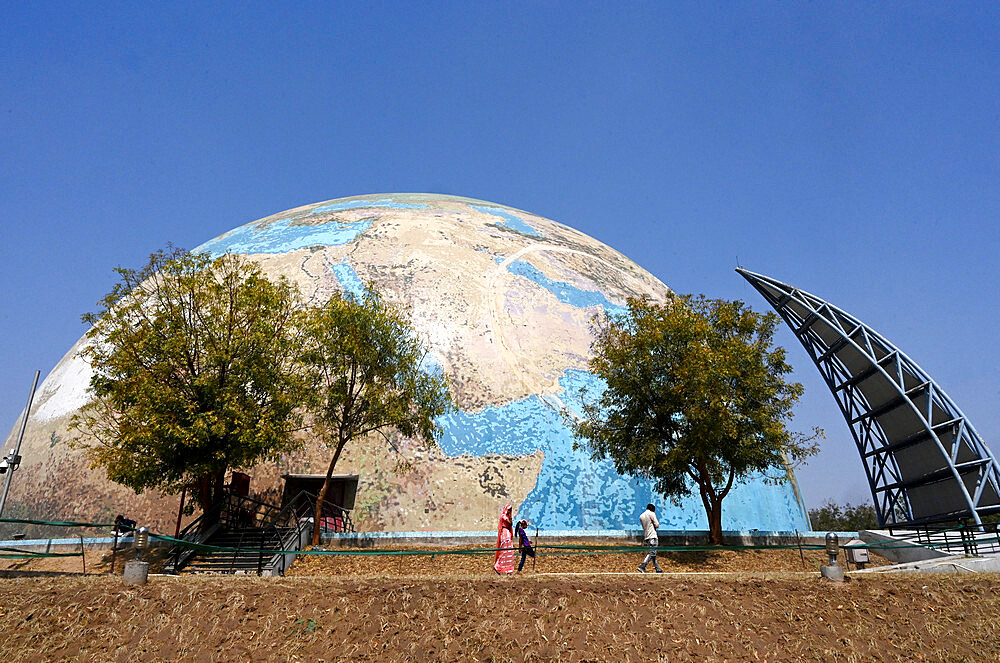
pixel 850 150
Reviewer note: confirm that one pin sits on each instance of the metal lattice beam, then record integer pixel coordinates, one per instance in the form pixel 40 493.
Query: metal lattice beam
pixel 924 460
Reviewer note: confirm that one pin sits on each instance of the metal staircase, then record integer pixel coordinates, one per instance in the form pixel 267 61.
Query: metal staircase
pixel 252 551
pixel 244 535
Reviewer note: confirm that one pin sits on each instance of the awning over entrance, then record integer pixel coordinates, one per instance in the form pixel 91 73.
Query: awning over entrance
pixel 343 489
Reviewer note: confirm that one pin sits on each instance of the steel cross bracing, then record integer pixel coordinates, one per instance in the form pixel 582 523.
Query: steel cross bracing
pixel 924 460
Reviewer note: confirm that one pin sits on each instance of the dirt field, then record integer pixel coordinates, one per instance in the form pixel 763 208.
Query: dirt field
pixel 446 564
pixel 628 618
pixel 755 606
pixel 721 561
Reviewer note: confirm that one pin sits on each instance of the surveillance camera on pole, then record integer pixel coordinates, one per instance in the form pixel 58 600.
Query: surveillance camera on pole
pixel 9 462
pixel 12 460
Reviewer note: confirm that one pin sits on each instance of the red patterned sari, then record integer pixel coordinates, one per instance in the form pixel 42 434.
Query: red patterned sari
pixel 504 562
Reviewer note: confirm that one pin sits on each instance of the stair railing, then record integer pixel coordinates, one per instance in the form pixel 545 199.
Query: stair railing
pixel 230 512
pixel 333 517
pixel 287 519
pixel 970 539
pixel 237 551
pixel 271 538
pixel 246 511
pixel 282 528
pixel 195 532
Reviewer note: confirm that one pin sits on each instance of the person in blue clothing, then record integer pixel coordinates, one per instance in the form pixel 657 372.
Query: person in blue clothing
pixel 523 543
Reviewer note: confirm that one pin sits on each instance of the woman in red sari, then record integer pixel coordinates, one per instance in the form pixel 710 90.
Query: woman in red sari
pixel 504 561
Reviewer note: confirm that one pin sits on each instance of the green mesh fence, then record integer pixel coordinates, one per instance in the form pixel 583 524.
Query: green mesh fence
pixel 542 549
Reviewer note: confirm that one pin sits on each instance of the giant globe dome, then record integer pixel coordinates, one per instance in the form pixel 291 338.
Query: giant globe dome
pixel 502 300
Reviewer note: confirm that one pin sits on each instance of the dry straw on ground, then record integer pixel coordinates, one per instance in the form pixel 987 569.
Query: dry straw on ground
pixel 452 613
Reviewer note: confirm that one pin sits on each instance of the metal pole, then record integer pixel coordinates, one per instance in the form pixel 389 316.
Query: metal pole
pixel 535 557
pixel 798 540
pixel 20 436
pixel 114 551
pixel 180 512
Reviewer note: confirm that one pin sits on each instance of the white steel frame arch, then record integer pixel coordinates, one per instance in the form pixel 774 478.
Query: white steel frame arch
pixel 924 460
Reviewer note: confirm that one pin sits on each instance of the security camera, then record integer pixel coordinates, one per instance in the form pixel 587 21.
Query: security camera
pixel 9 462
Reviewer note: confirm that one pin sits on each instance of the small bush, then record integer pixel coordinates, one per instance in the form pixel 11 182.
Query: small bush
pixel 847 518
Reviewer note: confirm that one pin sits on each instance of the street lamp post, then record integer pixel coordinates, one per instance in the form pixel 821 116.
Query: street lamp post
pixel 832 571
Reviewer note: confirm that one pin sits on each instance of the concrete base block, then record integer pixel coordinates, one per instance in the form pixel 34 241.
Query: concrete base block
pixel 832 573
pixel 898 549
pixel 136 573
pixel 953 564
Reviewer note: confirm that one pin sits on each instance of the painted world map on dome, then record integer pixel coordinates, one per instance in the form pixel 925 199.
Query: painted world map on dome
pixel 502 300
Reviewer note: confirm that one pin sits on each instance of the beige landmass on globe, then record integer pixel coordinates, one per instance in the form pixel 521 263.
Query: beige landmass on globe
pixel 497 336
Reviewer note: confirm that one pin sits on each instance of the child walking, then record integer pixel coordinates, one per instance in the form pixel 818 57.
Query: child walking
pixel 524 543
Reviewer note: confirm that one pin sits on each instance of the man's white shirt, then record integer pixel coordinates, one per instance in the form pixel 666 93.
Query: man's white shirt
pixel 649 524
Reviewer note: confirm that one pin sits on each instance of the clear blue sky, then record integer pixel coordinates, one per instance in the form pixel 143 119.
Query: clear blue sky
pixel 851 150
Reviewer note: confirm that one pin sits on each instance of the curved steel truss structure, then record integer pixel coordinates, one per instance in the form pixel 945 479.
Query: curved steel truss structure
pixel 925 461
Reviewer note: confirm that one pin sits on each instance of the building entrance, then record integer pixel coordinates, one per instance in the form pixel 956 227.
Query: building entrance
pixel 339 498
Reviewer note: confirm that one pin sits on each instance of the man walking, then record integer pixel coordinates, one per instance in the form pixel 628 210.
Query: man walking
pixel 649 527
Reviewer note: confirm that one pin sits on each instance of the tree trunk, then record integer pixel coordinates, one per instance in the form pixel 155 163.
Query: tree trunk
pixel 210 493
pixel 217 495
pixel 323 491
pixel 712 502
pixel 204 492
pixel 715 523
pixel 220 486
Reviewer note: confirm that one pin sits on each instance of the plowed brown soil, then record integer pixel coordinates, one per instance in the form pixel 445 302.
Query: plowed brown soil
pixel 378 608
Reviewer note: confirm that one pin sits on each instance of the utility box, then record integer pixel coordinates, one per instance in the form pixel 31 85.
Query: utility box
pixel 240 484
pixel 857 556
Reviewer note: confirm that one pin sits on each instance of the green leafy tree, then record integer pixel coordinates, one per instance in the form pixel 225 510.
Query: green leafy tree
pixel 695 397
pixel 832 517
pixel 194 373
pixel 364 362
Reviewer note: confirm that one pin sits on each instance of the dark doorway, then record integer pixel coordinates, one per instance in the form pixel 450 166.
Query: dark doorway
pixel 343 489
